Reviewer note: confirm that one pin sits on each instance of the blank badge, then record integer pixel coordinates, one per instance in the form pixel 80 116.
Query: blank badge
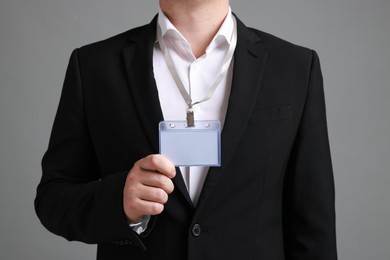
pixel 198 145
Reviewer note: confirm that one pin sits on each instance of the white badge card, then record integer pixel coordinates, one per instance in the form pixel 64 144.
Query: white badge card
pixel 199 145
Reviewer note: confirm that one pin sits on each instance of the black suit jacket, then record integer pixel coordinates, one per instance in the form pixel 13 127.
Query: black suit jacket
pixel 273 197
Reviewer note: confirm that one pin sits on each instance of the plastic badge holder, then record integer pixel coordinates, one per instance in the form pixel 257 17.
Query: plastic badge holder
pixel 191 146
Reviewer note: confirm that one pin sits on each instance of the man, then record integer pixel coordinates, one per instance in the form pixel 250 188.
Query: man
pixel 103 181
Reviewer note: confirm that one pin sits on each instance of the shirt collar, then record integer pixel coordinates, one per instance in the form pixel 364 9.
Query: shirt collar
pixel 223 35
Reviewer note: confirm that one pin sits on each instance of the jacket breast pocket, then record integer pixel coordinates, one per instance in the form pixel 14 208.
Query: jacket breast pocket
pixel 270 129
pixel 270 114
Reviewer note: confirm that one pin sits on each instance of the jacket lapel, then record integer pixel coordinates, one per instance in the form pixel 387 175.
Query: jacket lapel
pixel 249 63
pixel 138 59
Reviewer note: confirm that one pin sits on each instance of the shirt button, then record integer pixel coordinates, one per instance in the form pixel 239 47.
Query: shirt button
pixel 196 230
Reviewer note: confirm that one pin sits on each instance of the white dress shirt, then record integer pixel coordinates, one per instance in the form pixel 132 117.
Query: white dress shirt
pixel 197 75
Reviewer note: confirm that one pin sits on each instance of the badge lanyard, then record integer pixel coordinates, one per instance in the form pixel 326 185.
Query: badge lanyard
pixel 179 83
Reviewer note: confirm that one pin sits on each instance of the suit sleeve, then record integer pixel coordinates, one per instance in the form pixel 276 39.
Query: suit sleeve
pixel 309 200
pixel 72 200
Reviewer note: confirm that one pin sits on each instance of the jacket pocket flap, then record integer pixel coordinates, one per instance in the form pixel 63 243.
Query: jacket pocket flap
pixel 271 114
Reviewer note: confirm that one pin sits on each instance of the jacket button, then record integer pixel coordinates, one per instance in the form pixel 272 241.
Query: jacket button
pixel 196 230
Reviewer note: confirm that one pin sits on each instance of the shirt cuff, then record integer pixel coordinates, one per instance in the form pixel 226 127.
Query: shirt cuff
pixel 141 225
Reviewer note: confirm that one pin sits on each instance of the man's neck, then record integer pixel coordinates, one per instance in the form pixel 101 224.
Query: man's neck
pixel 197 20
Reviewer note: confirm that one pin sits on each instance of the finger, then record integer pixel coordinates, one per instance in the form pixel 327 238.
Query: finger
pixel 153 195
pixel 157 180
pixel 157 162
pixel 136 205
pixel 145 207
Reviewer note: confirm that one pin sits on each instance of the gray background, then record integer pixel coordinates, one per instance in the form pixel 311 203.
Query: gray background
pixel 352 38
